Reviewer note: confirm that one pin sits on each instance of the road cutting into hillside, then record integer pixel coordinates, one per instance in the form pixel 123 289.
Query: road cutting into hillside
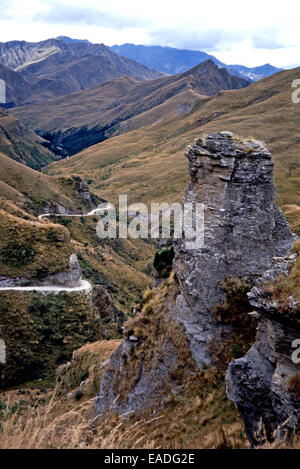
pixel 96 211
pixel 85 286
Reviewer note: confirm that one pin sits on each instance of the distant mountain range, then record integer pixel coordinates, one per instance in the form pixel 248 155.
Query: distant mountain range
pixel 172 61
pixel 35 72
pixel 38 71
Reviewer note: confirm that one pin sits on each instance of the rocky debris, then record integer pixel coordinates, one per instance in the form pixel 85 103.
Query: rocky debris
pixel 133 339
pixel 12 282
pixel 265 383
pixel 244 231
pixel 54 207
pixel 84 193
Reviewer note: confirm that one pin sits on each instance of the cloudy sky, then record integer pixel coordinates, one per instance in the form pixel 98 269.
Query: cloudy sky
pixel 249 32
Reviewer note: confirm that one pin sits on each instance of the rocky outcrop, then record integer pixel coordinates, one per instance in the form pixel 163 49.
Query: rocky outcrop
pixel 244 236
pixel 149 384
pixel 265 383
pixel 244 231
pixel 69 278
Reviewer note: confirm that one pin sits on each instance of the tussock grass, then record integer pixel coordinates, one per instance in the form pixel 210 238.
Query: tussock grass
pixel 20 144
pixel 54 427
pixel 22 247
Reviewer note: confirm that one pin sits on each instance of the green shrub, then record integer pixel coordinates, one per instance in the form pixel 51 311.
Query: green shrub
pixel 163 261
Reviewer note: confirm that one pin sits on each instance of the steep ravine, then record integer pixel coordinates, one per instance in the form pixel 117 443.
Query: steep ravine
pixel 178 332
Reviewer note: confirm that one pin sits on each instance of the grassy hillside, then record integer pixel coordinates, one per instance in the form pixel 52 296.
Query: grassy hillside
pixel 21 91
pixel 32 249
pixel 33 190
pixel 148 163
pixel 119 265
pixel 41 331
pixel 20 144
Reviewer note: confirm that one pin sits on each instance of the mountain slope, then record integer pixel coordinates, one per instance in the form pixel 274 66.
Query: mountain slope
pixel 119 266
pixel 20 144
pixel 164 59
pixel 17 55
pixel 21 91
pixel 36 72
pixel 79 120
pixel 88 70
pixel 171 60
pixel 148 165
pixel 34 191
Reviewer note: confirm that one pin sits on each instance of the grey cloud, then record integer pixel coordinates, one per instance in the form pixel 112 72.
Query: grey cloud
pixel 266 42
pixel 77 15
pixel 197 40
pixel 5 5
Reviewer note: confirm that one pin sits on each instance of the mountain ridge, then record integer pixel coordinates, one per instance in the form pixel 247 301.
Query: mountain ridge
pixel 263 109
pixel 109 109
pixel 172 60
pixel 35 72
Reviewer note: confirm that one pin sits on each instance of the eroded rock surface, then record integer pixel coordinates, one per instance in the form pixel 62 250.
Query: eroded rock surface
pixel 244 231
pixel 265 383
pixel 245 234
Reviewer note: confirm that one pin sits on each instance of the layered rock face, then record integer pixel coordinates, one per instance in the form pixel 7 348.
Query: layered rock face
pixel 265 383
pixel 245 235
pixel 244 231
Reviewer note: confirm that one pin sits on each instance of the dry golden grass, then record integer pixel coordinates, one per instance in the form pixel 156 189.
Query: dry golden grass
pixel 292 213
pixel 21 145
pixel 49 428
pixel 33 190
pixel 195 422
pixel 52 426
pixel 19 236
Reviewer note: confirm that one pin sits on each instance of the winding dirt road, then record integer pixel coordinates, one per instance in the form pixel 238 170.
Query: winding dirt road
pixel 85 285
